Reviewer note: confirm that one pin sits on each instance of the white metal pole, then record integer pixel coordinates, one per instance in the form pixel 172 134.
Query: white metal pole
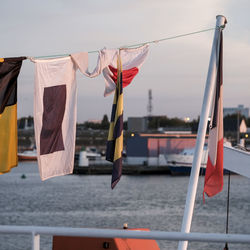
pixel 35 241
pixel 36 231
pixel 207 101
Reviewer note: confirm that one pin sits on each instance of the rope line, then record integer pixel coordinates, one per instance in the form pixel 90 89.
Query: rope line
pixel 136 45
pixel 170 38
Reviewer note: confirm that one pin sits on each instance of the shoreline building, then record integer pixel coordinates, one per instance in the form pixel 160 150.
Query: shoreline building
pixel 241 109
pixel 137 124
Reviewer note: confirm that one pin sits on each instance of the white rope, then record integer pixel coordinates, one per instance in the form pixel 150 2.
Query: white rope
pixel 134 45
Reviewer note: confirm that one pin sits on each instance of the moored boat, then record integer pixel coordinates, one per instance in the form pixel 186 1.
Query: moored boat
pixel 28 155
pixel 181 164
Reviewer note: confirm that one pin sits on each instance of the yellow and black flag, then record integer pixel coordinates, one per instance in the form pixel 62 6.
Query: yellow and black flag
pixel 115 137
pixel 9 71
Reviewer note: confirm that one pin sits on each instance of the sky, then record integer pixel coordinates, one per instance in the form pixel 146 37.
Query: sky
pixel 175 70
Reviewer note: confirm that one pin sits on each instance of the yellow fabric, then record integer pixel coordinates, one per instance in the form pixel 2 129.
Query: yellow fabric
pixel 111 129
pixel 8 139
pixel 1 60
pixel 119 111
pixel 118 147
pixel 118 100
pixel 112 124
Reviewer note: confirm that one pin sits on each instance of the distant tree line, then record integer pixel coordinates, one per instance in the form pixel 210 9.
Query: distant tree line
pixel 163 121
pixel 155 122
pixel 230 123
pixel 104 124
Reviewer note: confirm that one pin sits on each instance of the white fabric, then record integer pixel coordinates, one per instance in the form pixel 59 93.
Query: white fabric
pixel 216 134
pixel 49 73
pixel 81 60
pixel 108 57
pixel 105 57
pixel 130 57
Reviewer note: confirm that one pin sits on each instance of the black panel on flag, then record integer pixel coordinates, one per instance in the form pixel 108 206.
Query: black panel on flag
pixel 54 101
pixel 9 70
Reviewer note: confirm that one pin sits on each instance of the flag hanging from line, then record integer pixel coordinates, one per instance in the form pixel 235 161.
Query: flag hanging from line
pixel 115 137
pixel 132 59
pixel 9 71
pixel 55 116
pixel 81 60
pixel 214 170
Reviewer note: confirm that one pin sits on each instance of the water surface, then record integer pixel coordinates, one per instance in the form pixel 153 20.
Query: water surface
pixel 155 202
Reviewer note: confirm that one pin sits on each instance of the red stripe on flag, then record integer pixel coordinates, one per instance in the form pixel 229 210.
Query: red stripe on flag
pixel 214 174
pixel 127 75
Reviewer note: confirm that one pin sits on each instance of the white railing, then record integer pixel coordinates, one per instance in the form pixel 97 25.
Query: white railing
pixel 114 233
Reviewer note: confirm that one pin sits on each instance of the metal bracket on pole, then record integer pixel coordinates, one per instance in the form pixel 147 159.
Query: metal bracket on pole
pixel 206 106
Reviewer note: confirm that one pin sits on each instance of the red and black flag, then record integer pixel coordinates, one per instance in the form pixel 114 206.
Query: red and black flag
pixel 115 137
pixel 9 71
pixel 214 170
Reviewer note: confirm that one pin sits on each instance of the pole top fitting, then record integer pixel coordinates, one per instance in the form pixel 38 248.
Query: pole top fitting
pixel 221 21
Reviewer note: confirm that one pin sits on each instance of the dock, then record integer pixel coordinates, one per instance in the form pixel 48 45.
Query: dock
pixel 126 170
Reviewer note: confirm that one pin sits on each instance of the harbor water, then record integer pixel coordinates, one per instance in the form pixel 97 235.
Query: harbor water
pixel 151 201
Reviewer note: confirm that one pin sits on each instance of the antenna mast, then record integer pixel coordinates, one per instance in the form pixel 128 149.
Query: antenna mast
pixel 150 105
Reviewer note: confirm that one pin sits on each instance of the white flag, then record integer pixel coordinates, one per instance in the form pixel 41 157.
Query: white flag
pixel 132 60
pixel 55 116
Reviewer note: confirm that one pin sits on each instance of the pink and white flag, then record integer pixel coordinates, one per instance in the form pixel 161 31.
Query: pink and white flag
pixel 55 116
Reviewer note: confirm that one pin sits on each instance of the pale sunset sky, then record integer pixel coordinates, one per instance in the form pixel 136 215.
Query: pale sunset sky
pixel 175 70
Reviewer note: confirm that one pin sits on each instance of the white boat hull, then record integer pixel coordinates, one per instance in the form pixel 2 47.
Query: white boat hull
pixel 237 160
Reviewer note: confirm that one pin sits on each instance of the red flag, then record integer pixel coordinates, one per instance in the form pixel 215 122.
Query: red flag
pixel 214 170
pixel 127 75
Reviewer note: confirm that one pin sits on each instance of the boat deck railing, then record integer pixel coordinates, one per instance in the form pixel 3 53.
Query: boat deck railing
pixel 36 231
